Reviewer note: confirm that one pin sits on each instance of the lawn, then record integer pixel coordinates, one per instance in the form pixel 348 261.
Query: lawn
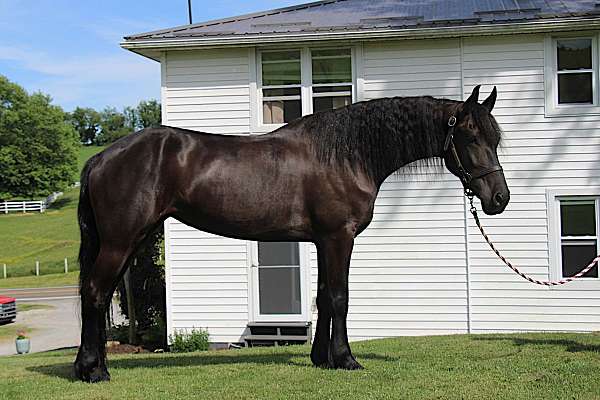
pixel 48 237
pixel 52 280
pixel 9 332
pixel 516 366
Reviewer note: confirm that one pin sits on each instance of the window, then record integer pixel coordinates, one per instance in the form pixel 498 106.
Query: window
pixel 299 82
pixel 574 71
pixel 279 285
pixel 573 234
pixel 281 86
pixel 578 236
pixel 331 79
pixel 572 76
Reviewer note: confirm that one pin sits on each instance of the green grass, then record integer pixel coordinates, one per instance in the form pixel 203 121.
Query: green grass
pixel 523 366
pixel 24 307
pixel 9 332
pixel 85 152
pixel 53 280
pixel 48 237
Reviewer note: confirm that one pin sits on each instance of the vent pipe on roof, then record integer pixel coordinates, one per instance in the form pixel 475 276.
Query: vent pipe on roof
pixel 190 10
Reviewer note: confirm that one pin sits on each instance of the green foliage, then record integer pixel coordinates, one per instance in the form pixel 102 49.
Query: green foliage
pixel 109 125
pixel 38 147
pixel 186 342
pixel 148 114
pixel 119 333
pixel 86 122
pixel 147 276
pixel 112 126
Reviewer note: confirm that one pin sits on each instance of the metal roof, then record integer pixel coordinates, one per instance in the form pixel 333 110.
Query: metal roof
pixel 338 16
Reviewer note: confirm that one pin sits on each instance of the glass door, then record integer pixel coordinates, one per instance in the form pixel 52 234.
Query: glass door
pixel 278 282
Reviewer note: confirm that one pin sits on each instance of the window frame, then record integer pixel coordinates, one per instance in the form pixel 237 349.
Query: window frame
pixel 554 197
pixel 551 73
pixel 314 95
pixel 261 87
pixel 306 86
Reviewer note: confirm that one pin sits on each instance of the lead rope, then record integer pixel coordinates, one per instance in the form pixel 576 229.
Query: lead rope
pixel 584 271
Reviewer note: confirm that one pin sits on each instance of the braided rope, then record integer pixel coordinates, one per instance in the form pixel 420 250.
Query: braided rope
pixel 584 271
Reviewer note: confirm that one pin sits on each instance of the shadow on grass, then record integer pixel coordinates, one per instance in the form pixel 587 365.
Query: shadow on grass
pixel 61 202
pixel 571 346
pixel 65 370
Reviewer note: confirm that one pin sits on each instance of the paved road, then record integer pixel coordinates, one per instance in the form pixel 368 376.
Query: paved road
pixel 50 293
pixel 53 328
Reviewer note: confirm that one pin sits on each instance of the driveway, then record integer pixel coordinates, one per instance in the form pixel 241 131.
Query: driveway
pixel 54 328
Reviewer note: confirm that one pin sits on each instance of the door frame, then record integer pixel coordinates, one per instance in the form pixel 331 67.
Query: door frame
pixel 254 315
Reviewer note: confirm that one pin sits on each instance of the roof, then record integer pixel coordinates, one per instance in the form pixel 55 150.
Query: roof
pixel 359 16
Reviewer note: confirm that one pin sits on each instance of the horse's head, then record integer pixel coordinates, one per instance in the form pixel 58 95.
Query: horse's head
pixel 471 152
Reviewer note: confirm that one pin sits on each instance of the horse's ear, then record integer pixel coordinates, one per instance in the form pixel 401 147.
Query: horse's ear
pixel 491 100
pixel 474 97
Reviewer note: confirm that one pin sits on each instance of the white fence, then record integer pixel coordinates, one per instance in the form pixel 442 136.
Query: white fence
pixel 23 206
pixel 29 205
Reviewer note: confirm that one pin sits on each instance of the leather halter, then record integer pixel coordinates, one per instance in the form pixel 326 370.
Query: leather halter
pixel 465 176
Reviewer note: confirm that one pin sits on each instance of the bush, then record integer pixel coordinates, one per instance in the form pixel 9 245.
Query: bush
pixel 119 333
pixel 185 342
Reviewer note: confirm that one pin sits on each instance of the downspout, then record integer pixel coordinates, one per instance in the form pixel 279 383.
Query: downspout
pixel 465 205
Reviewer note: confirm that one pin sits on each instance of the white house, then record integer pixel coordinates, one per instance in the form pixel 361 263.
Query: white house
pixel 421 268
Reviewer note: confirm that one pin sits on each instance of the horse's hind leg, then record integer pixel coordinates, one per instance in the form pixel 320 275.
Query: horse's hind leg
pixel 96 293
pixel 320 347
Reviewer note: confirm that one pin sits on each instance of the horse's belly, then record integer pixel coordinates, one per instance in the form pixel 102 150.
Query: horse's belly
pixel 248 217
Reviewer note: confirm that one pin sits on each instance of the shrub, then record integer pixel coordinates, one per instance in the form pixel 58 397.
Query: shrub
pixel 119 333
pixel 185 342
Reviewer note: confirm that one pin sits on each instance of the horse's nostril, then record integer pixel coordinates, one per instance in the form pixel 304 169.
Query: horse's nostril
pixel 498 198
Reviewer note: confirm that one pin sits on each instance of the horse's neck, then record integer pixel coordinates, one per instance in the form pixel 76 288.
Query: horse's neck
pixel 423 138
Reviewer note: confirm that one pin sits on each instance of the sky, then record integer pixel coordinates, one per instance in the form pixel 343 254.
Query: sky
pixel 70 49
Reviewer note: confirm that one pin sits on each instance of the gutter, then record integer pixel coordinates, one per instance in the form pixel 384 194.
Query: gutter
pixel 564 24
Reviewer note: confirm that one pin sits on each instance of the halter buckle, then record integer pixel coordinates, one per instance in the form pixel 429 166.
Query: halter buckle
pixel 452 121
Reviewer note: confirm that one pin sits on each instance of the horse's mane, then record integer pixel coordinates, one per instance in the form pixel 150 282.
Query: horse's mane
pixel 365 132
pixel 413 127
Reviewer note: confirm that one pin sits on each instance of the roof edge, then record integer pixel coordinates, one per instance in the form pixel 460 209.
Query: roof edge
pixel 544 26
pixel 233 19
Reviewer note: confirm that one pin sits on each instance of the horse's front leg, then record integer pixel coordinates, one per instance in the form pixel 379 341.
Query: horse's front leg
pixel 320 347
pixel 337 252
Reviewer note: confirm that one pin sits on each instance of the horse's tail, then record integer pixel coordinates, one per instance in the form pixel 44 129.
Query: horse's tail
pixel 90 244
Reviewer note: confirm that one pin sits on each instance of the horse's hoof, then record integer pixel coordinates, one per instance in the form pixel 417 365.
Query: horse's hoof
pixel 97 374
pixel 319 359
pixel 348 363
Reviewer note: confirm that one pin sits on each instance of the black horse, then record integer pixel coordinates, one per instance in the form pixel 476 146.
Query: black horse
pixel 315 180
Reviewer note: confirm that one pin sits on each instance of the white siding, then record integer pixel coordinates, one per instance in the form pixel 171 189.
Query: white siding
pixel 208 90
pixel 207 275
pixel 421 267
pixel 538 153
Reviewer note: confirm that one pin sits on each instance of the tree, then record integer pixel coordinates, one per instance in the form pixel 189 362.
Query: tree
pixel 38 147
pixel 86 122
pixel 112 126
pixel 132 121
pixel 149 113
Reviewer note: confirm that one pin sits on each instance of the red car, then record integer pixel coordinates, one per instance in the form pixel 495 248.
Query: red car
pixel 8 309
